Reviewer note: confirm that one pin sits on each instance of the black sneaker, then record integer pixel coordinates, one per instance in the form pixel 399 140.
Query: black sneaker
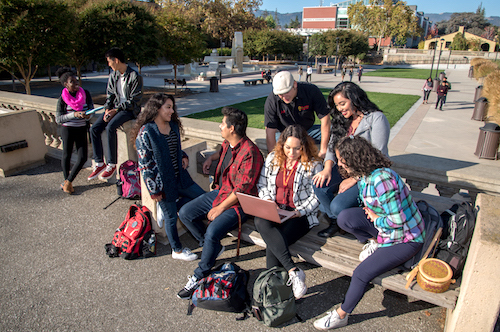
pixel 188 290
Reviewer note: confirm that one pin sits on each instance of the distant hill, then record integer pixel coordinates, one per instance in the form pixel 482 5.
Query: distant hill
pixel 286 18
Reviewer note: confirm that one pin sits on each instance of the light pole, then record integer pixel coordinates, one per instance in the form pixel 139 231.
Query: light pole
pixel 433 56
pixel 439 58
pixel 336 57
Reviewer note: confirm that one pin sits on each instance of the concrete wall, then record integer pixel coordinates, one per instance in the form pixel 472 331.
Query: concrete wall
pixel 17 126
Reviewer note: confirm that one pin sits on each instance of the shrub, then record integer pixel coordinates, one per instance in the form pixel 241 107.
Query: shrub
pixel 421 45
pixel 491 87
pixel 484 68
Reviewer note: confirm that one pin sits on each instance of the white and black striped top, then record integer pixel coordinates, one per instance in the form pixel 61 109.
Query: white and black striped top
pixel 172 146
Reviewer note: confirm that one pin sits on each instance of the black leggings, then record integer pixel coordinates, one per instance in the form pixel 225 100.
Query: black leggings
pixel 279 237
pixel 73 136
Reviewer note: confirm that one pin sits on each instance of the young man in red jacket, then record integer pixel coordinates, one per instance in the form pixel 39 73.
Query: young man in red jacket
pixel 238 169
pixel 442 91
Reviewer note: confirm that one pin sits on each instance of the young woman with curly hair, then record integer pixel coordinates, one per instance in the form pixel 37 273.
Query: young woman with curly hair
pixel 70 114
pixel 389 221
pixel 286 178
pixel 352 114
pixel 164 165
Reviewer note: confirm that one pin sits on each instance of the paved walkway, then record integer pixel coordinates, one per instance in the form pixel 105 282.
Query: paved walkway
pixel 56 276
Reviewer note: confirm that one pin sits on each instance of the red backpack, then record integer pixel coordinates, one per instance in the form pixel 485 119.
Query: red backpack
pixel 135 236
pixel 130 180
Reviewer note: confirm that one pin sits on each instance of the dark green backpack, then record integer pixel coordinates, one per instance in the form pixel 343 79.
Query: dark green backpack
pixel 273 301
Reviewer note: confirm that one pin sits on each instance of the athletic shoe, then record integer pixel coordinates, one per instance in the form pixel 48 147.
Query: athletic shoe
pixel 368 249
pixel 184 255
pixel 297 279
pixel 188 290
pixel 108 172
pixel 96 171
pixel 332 320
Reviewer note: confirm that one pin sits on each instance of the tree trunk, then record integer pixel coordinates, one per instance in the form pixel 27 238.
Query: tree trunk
pixel 175 79
pixel 49 73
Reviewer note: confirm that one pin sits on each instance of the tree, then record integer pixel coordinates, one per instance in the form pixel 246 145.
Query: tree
pixel 32 33
pixel 295 24
pixel 272 42
pixel 383 18
pixel 350 43
pixel 181 41
pixel 459 43
pixel 474 23
pixel 122 24
pixel 271 24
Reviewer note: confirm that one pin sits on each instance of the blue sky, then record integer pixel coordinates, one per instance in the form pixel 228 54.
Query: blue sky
pixel 492 7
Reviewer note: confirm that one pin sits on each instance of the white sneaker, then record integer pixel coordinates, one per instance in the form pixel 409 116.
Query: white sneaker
pixel 368 249
pixel 184 255
pixel 332 320
pixel 297 279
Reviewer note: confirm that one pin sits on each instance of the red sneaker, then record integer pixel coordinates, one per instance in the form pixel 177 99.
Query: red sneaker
pixel 97 170
pixel 108 172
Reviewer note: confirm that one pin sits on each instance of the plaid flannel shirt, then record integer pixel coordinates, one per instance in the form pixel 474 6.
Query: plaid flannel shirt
pixel 243 171
pixel 384 192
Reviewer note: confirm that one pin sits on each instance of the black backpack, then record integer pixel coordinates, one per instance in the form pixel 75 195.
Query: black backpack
pixel 225 289
pixel 454 245
pixel 432 222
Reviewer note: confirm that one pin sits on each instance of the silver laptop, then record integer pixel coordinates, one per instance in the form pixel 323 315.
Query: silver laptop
pixel 263 208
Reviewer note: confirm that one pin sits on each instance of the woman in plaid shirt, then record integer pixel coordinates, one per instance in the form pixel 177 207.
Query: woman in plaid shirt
pixel 286 178
pixel 389 221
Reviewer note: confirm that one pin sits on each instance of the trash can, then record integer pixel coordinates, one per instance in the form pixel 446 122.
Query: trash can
pixel 435 85
pixel 471 72
pixel 477 94
pixel 320 69
pixel 214 84
pixel 442 75
pixel 487 143
pixel 480 108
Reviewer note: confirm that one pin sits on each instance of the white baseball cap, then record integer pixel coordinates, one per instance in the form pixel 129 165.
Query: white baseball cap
pixel 282 82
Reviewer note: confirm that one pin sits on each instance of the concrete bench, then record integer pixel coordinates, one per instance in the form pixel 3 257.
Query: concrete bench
pixel 327 70
pixel 255 80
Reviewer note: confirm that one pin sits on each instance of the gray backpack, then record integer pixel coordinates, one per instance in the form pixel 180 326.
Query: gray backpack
pixel 273 301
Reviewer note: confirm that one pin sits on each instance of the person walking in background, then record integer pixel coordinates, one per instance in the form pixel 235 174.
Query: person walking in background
pixel 351 72
pixel 309 74
pixel 124 93
pixel 70 114
pixel 389 222
pixel 342 73
pixel 442 91
pixel 352 114
pixel 300 72
pixel 360 73
pixel 286 179
pixel 238 169
pixel 427 88
pixel 164 165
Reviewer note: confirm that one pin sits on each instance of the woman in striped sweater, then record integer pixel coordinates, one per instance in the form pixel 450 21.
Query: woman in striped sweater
pixel 164 165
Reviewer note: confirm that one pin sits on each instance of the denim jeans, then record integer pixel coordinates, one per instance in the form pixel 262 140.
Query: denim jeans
pixel 95 134
pixel 331 202
pixel 170 212
pixel 192 215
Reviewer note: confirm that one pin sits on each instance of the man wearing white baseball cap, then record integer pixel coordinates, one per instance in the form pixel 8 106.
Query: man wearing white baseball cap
pixel 294 102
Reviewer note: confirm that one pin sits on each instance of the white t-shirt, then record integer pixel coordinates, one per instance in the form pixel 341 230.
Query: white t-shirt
pixel 309 70
pixel 121 89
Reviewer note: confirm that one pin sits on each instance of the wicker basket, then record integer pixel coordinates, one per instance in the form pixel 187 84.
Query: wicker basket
pixel 434 275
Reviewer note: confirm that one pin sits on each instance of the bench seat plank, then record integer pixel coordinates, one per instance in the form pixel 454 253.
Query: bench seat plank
pixel 340 254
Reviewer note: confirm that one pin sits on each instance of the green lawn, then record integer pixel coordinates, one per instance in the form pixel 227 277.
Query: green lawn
pixel 400 73
pixel 393 105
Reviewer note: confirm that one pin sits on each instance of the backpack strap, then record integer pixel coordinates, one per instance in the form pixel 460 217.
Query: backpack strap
pixel 239 233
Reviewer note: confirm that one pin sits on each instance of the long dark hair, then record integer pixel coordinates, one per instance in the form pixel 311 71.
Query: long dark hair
pixel 360 156
pixel 359 101
pixel 150 112
pixel 309 150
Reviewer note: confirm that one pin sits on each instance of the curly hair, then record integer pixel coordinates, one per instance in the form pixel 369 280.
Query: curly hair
pixel 150 112
pixel 359 156
pixel 64 73
pixel 309 150
pixel 359 101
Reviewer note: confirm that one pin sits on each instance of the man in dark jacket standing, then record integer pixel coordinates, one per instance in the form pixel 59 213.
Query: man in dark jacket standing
pixel 123 103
